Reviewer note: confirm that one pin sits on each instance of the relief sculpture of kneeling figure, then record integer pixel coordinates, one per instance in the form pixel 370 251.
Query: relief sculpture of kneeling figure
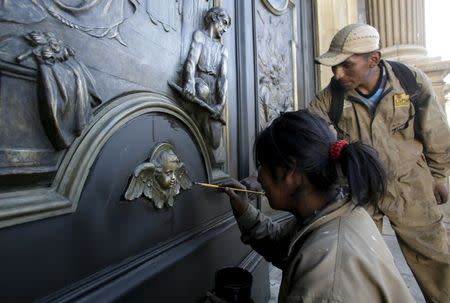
pixel 205 74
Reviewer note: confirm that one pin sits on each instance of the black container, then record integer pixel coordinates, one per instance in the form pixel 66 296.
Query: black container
pixel 234 284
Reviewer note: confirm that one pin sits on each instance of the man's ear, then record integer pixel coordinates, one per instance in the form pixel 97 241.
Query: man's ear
pixel 374 59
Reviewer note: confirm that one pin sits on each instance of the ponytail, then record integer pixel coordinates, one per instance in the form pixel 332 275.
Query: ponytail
pixel 303 140
pixel 365 173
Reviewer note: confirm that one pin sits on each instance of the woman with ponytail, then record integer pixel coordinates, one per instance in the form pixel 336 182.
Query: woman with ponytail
pixel 331 250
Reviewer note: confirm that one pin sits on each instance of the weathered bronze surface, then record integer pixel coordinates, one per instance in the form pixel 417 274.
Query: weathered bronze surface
pixel 277 7
pixel 276 38
pixel 48 99
pixel 100 19
pixel 66 189
pixel 66 88
pixel 84 98
pixel 159 179
pixel 165 13
pixel 204 80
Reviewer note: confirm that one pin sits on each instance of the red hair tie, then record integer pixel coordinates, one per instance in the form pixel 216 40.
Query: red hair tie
pixel 336 149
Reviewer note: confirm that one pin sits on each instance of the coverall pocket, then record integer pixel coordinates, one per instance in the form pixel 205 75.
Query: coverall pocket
pixel 403 122
pixel 415 192
pixel 347 127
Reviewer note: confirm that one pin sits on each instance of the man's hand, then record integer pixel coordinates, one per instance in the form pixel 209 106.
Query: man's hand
pixel 441 193
pixel 189 89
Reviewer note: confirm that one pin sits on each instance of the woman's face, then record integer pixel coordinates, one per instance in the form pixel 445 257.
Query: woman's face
pixel 274 188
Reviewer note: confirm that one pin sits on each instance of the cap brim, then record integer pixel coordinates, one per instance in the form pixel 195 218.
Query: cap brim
pixel 332 58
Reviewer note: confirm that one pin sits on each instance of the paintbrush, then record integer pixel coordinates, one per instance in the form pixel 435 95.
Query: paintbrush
pixel 236 189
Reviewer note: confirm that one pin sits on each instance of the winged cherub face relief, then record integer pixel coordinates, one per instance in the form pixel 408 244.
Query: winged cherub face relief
pixel 165 173
pixel 160 179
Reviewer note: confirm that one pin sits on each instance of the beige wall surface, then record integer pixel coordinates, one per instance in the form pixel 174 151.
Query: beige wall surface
pixel 331 16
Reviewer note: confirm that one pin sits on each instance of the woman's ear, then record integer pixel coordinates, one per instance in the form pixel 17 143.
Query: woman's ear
pixel 294 178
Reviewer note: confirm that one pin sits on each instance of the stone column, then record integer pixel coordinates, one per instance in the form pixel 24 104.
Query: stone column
pixel 400 22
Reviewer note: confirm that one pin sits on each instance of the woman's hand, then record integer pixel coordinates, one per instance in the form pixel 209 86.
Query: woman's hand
pixel 252 183
pixel 238 200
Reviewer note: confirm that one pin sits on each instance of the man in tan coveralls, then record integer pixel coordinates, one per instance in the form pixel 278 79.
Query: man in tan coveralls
pixel 413 141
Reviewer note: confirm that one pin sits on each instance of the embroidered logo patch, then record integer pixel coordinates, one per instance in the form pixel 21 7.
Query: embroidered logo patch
pixel 401 100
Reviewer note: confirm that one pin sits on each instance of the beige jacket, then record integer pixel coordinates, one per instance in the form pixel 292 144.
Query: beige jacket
pixel 338 257
pixel 412 141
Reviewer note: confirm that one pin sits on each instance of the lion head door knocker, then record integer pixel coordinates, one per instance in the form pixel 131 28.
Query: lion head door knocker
pixel 204 83
pixel 160 179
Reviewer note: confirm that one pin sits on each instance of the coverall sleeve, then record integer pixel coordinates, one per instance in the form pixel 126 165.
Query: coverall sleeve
pixel 432 129
pixel 321 104
pixel 270 239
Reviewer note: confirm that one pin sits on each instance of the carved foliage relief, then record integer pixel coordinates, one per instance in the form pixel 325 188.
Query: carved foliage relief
pixel 160 179
pixel 274 35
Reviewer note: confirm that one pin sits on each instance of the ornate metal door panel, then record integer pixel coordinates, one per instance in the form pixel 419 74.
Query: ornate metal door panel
pixel 98 153
pixel 109 110
pixel 69 60
pixel 105 244
pixel 276 46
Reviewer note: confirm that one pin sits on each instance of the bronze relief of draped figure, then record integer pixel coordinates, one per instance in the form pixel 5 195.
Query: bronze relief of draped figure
pixel 66 88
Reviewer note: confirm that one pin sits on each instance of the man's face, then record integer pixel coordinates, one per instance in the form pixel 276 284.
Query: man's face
pixel 353 72
pixel 221 26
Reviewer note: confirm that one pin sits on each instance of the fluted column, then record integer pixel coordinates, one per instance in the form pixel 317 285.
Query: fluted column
pixel 400 22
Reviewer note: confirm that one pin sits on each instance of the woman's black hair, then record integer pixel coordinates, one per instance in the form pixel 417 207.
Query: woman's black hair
pixel 302 140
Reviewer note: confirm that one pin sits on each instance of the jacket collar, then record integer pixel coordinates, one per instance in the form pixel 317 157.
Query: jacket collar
pixel 332 211
pixel 391 84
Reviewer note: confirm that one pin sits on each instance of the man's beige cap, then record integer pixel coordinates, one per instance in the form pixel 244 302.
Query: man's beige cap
pixel 353 39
